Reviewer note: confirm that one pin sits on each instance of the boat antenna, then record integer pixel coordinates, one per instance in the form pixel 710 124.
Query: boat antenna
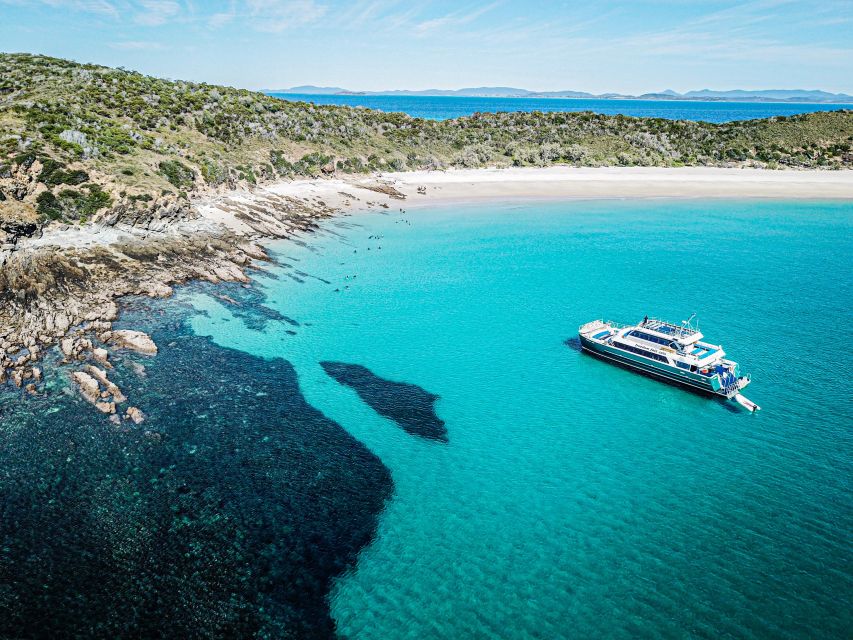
pixel 685 324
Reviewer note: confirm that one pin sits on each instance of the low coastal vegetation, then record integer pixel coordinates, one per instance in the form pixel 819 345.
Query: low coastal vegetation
pixel 78 139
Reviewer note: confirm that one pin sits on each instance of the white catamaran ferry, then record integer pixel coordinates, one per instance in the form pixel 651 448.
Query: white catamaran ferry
pixel 668 351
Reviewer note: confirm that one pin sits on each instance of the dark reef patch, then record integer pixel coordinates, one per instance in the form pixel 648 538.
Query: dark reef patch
pixel 247 303
pixel 226 514
pixel 410 406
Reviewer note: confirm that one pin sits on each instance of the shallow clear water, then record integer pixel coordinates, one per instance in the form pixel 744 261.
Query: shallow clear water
pixel 574 498
pixel 554 496
pixel 444 107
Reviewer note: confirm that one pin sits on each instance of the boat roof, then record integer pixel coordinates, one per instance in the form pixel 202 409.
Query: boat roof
pixel 683 333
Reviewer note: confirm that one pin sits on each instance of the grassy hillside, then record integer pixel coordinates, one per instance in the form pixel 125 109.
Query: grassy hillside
pixel 78 140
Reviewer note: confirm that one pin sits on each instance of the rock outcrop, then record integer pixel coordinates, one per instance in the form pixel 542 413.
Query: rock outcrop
pixel 87 385
pixel 59 284
pixel 97 389
pixel 135 341
pixel 135 414
pixel 110 388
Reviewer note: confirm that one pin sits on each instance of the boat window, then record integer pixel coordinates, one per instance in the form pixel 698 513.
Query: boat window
pixel 682 365
pixel 642 335
pixel 640 352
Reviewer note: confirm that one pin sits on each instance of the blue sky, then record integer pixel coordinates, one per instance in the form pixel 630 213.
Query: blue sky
pixel 632 47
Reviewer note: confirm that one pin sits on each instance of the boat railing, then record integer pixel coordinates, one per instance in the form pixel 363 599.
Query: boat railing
pixel 617 325
pixel 683 330
pixel 652 324
pixel 731 389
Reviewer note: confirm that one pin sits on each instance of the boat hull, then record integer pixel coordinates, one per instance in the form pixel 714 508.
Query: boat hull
pixel 652 369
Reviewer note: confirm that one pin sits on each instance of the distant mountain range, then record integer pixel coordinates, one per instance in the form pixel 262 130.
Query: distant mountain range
pixel 742 95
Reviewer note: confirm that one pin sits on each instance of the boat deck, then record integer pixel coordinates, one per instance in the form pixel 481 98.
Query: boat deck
pixel 669 329
pixel 703 352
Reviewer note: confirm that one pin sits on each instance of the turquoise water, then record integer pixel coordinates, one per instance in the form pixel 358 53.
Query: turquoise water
pixel 444 107
pixel 573 498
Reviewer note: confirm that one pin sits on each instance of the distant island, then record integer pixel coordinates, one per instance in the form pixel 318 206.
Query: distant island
pixel 735 95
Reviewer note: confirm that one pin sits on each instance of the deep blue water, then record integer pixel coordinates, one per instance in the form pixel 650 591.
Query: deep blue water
pixel 444 107
pixel 392 434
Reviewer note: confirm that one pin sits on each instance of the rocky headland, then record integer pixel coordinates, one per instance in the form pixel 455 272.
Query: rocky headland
pixel 60 284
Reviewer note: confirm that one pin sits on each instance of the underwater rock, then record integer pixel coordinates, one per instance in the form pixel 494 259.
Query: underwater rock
pixel 135 341
pixel 133 413
pixel 67 346
pixel 106 407
pixel 158 290
pixel 101 376
pixel 410 406
pixel 87 385
pixel 101 355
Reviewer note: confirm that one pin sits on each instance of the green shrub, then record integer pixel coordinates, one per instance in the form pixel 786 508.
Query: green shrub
pixel 397 164
pixel 213 173
pixel 95 200
pixel 311 164
pixel 49 206
pixel 281 164
pixel 177 173
pixel 71 204
pixel 24 160
pixel 352 165
pixel 53 174
pixel 116 139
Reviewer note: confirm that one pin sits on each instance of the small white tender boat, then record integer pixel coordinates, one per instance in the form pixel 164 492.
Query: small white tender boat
pixel 672 352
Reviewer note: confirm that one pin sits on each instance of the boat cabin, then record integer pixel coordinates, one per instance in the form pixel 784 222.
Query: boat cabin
pixel 681 342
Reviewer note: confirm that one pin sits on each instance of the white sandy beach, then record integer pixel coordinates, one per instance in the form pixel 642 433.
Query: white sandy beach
pixel 623 182
pixel 431 187
pixel 424 188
